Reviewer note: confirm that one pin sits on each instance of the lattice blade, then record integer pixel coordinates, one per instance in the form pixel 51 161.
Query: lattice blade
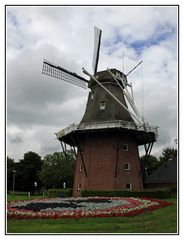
pixel 97 40
pixel 55 71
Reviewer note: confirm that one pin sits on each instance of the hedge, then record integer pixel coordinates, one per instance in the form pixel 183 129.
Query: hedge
pixel 160 194
pixel 59 192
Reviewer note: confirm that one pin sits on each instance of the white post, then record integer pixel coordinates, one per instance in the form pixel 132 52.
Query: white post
pixel 35 184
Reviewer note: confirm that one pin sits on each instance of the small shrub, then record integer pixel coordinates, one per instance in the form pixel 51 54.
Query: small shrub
pixel 161 194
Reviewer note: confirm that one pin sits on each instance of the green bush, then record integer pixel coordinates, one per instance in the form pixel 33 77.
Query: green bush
pixel 60 192
pixel 161 194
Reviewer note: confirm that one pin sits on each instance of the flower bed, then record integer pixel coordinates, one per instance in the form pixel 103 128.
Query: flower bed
pixel 82 207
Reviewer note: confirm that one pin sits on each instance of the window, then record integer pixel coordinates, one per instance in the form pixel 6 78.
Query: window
pixel 118 74
pixel 81 167
pixel 128 186
pixel 79 187
pixel 102 105
pixel 127 166
pixel 125 147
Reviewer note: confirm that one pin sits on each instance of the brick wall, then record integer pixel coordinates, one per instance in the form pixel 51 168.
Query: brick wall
pixel 104 161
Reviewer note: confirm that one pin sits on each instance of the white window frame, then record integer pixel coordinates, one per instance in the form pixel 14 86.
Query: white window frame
pixel 127 169
pixel 102 105
pixel 79 186
pixel 130 186
pixel 81 168
pixel 125 150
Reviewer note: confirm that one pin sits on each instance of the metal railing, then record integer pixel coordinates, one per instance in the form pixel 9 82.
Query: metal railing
pixel 108 124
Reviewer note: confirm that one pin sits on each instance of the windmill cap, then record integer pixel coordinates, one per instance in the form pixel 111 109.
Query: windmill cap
pixel 105 76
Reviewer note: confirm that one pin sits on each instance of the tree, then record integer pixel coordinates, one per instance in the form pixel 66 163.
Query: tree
pixel 11 165
pixel 167 153
pixel 149 163
pixel 57 169
pixel 28 172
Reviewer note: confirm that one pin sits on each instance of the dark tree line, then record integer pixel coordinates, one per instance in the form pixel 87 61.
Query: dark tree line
pixel 49 172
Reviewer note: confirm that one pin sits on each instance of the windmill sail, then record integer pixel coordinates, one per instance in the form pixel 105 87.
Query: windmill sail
pixel 133 68
pixel 97 40
pixel 58 72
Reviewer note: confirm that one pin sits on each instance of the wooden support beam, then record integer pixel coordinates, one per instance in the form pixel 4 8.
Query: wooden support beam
pixel 76 142
pixel 81 154
pixel 74 151
pixel 147 148
pixel 64 151
pixel 150 148
pixel 117 151
pixel 65 146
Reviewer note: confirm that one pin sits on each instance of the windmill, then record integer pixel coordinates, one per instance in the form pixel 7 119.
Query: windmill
pixel 106 140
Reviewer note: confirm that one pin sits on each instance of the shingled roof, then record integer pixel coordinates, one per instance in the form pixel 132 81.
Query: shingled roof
pixel 166 173
pixel 113 111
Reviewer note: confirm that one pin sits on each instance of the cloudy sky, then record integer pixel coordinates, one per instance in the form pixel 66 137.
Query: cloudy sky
pixel 38 105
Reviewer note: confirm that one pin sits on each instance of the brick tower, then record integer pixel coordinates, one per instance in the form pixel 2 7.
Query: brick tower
pixel 108 136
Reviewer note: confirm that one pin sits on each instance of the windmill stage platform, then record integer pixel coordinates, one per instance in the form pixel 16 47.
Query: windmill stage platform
pixel 142 133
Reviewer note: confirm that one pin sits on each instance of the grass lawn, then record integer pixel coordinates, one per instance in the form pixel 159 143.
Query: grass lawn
pixel 163 220
pixel 11 197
